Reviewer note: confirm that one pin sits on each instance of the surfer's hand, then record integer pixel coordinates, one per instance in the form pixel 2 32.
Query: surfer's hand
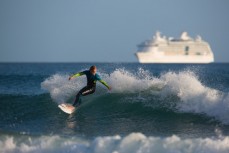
pixel 70 78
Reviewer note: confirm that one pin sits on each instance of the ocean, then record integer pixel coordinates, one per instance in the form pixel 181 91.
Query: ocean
pixel 152 108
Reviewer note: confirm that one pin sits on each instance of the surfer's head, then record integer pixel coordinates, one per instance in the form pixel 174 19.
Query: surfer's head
pixel 93 69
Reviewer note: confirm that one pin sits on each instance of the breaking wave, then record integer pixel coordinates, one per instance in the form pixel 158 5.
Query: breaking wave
pixel 180 91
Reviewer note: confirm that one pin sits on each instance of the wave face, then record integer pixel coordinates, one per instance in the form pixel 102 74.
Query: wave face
pixel 178 91
pixel 134 142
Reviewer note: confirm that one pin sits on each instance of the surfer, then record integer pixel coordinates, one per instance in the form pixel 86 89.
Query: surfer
pixel 92 77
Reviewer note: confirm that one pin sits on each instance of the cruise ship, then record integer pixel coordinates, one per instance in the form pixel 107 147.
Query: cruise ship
pixel 169 50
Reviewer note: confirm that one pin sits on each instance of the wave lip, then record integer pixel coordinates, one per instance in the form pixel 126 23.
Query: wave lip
pixel 134 142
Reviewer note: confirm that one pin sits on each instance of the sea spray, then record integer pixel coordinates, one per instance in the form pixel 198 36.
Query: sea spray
pixel 60 88
pixel 122 80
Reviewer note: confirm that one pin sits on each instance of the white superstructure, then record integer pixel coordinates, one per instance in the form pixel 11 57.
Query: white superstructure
pixel 169 50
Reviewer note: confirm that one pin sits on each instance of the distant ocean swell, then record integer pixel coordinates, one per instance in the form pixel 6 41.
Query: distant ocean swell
pixel 18 84
pixel 134 142
pixel 177 91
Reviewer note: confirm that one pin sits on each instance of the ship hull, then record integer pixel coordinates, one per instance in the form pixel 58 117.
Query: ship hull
pixel 144 57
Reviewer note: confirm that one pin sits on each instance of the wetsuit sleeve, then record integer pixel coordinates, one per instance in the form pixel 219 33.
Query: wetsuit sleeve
pixel 78 74
pixel 104 83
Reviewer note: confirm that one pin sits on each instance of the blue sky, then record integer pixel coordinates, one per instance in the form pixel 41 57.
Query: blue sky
pixel 104 30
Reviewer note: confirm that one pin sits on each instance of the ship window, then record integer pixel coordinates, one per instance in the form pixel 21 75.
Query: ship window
pixel 198 53
pixel 186 50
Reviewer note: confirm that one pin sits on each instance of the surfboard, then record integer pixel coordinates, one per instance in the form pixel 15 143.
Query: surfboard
pixel 67 108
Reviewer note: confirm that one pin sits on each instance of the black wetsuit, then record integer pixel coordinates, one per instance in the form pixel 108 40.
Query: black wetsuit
pixel 91 85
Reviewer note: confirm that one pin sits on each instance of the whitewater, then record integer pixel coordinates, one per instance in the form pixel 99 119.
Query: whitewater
pixel 134 142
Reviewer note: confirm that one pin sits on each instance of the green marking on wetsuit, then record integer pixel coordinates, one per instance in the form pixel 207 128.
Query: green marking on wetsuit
pixel 78 74
pixel 104 83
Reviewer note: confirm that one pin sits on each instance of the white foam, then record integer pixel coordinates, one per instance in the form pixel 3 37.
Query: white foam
pixel 194 96
pixel 124 81
pixel 60 88
pixel 134 143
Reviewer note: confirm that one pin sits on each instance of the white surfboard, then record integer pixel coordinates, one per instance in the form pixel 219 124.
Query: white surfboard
pixel 67 108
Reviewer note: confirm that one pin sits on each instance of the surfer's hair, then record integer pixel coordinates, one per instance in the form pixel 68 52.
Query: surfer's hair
pixel 93 67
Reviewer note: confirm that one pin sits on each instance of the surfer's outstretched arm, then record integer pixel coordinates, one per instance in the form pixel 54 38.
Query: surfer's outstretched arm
pixel 105 84
pixel 76 75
